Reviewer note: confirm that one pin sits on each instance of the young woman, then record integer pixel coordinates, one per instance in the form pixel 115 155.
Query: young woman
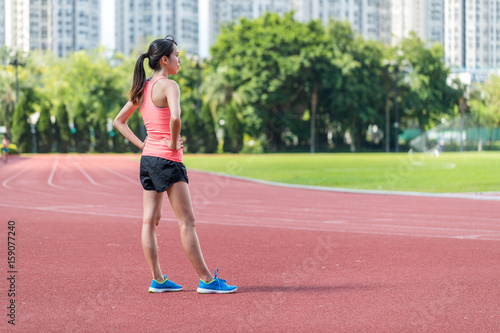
pixel 5 148
pixel 161 167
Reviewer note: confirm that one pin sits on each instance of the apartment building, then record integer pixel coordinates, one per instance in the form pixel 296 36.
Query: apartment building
pixel 139 20
pixel 424 17
pixel 364 15
pixel 63 26
pixel 76 25
pixel 472 34
pixel 2 23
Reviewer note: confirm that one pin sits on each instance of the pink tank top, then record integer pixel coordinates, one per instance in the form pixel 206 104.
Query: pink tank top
pixel 157 122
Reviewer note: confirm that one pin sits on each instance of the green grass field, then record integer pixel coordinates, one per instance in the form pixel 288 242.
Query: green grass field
pixel 451 172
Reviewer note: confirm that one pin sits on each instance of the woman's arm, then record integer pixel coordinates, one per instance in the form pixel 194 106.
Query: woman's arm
pixel 173 96
pixel 120 123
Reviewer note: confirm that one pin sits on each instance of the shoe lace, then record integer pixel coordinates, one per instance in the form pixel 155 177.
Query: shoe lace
pixel 218 279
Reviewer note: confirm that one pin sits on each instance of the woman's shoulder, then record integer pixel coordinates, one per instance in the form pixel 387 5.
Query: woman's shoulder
pixel 168 84
pixel 166 81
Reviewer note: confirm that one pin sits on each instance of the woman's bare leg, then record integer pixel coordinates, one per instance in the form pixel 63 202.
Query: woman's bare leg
pixel 180 199
pixel 152 202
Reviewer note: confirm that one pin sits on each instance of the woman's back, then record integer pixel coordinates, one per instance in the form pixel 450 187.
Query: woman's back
pixel 157 122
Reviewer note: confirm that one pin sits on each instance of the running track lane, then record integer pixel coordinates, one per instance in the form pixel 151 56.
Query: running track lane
pixel 303 259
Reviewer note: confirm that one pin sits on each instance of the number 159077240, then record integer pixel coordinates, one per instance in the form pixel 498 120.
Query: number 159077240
pixel 11 254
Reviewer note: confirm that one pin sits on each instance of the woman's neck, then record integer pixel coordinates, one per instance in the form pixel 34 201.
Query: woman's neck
pixel 161 72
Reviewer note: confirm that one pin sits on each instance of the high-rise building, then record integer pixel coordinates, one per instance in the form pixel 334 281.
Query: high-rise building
pixel 19 25
pixel 385 21
pixel 76 25
pixel 138 20
pixel 454 45
pixel 472 35
pixel 2 23
pixel 225 11
pixel 424 17
pixel 63 26
pixel 363 15
pixel 40 25
pixel 434 20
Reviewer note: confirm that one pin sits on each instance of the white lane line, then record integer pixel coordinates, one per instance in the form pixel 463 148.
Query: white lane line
pixel 58 210
pixel 52 173
pixel 350 221
pixel 322 209
pixel 417 227
pixel 347 231
pixel 324 213
pixel 73 206
pixel 355 191
pixel 92 181
pixel 365 232
pixel 480 237
pixel 120 175
pixel 5 182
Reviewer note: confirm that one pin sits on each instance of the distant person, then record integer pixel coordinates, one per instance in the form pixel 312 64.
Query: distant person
pixel 5 148
pixel 161 168
pixel 441 145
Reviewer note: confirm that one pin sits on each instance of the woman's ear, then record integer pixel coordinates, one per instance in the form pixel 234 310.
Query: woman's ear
pixel 165 58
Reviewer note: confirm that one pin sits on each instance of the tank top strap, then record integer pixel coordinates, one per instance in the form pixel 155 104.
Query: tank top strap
pixel 149 93
pixel 156 79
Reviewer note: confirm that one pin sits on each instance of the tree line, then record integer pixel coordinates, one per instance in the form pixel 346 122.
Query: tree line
pixel 270 84
pixel 68 103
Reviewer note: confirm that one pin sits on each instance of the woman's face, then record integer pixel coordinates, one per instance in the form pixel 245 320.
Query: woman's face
pixel 174 61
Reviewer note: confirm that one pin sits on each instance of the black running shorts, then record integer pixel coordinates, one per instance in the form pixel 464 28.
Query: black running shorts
pixel 158 174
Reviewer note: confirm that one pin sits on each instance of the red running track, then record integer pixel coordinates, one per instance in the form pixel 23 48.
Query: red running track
pixel 302 259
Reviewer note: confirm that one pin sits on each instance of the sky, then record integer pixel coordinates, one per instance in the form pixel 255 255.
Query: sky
pixel 108 25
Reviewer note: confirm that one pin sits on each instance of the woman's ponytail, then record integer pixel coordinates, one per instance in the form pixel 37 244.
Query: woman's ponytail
pixel 139 80
pixel 157 49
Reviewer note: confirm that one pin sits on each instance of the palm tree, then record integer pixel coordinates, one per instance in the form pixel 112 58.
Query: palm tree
pixel 7 99
pixel 219 91
pixel 222 95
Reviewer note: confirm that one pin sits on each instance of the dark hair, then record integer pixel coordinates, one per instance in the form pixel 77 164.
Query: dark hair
pixel 157 50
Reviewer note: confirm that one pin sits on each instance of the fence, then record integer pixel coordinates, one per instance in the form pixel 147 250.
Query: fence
pixel 452 135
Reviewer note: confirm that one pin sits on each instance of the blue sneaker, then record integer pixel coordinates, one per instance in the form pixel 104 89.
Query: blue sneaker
pixel 216 286
pixel 166 285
